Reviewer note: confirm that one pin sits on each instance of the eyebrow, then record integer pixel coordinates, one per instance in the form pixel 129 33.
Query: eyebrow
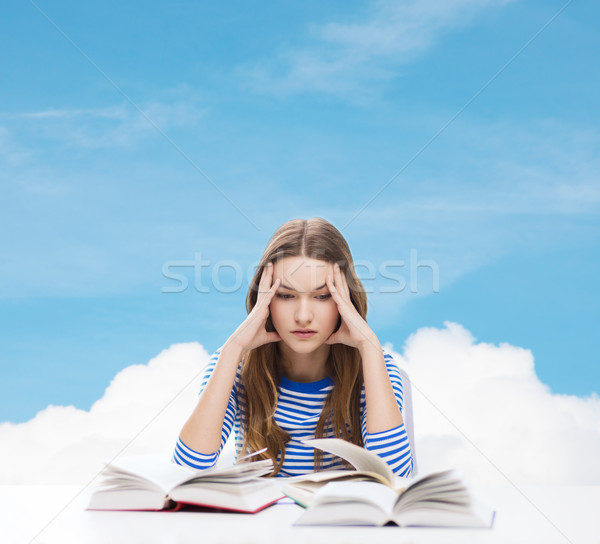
pixel 292 289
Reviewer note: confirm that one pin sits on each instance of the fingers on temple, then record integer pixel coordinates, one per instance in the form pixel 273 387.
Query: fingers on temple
pixel 340 280
pixel 274 287
pixel 266 277
pixel 331 284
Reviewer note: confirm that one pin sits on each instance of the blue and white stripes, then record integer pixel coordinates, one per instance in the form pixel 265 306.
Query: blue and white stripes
pixel 298 410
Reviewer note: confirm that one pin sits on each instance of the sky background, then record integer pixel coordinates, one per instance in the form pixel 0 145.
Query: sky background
pixel 454 141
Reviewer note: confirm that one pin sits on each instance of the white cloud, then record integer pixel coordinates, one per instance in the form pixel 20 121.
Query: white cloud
pixel 491 395
pixel 482 408
pixel 490 392
pixel 117 126
pixel 342 55
pixel 471 401
pixel 63 444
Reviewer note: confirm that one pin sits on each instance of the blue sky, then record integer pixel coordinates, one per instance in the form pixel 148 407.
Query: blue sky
pixel 136 136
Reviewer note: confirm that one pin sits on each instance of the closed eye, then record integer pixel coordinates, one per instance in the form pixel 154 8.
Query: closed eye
pixel 284 296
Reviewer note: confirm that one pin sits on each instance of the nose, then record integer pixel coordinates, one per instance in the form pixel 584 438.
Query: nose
pixel 303 314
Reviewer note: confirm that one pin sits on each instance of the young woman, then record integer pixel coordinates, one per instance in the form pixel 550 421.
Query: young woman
pixel 303 364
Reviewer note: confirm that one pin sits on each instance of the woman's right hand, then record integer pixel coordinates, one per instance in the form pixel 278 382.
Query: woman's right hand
pixel 253 333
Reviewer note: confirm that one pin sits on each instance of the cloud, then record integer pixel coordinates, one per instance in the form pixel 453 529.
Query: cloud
pixel 339 56
pixel 63 444
pixel 477 406
pixel 116 126
pixel 482 408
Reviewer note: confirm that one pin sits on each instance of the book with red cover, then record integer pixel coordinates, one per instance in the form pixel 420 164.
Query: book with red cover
pixel 153 482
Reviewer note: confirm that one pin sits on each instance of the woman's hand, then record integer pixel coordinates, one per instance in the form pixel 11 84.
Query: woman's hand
pixel 252 333
pixel 354 330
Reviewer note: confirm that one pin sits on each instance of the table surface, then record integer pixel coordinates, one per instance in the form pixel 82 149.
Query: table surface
pixel 56 514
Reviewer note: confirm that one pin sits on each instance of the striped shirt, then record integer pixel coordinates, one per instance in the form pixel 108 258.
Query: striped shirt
pixel 298 409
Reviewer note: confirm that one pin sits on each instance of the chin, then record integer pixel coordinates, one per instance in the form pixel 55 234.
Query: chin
pixel 300 346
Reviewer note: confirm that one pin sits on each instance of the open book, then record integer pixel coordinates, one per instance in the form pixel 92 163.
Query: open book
pixel 372 495
pixel 152 482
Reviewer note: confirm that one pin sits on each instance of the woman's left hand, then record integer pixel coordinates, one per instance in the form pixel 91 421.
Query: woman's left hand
pixel 354 330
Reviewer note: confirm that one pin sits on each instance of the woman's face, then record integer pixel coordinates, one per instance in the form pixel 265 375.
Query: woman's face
pixel 302 310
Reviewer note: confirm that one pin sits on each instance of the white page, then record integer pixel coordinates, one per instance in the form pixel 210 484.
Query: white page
pixel 370 492
pixel 156 468
pixel 166 475
pixel 359 458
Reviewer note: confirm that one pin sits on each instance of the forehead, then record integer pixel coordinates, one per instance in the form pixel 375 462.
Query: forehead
pixel 301 273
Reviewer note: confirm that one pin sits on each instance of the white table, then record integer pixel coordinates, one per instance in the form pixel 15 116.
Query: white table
pixel 560 514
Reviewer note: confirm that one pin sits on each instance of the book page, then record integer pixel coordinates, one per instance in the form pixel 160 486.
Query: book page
pixel 321 478
pixel 235 473
pixel 364 492
pixel 161 473
pixel 360 458
pixel 444 515
pixel 155 468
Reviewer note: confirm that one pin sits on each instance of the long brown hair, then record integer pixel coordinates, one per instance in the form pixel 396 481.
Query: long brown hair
pixel 314 238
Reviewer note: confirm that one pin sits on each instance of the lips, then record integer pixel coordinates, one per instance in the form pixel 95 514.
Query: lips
pixel 304 333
